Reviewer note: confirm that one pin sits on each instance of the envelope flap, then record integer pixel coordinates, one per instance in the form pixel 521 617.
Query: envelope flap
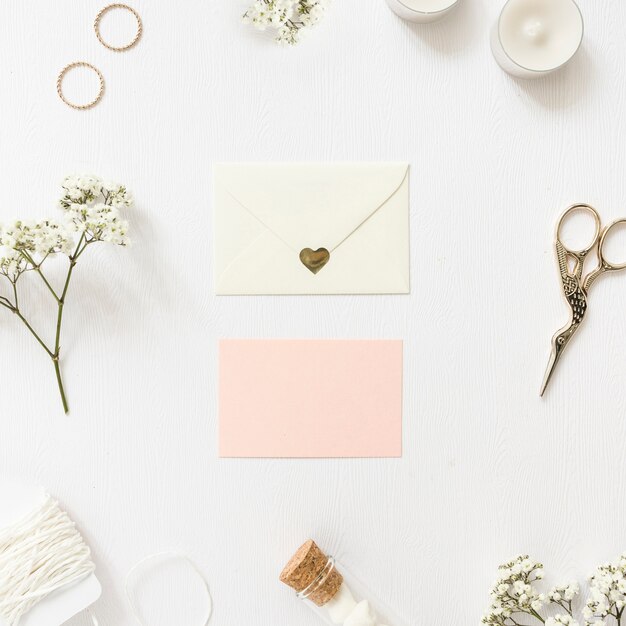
pixel 310 204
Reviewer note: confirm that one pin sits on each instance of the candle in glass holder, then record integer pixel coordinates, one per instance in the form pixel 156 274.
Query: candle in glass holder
pixel 422 10
pixel 535 37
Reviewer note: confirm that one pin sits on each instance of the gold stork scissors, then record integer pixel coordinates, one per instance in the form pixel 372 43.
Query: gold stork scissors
pixel 575 285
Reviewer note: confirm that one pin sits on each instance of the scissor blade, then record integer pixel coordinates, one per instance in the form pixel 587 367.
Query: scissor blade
pixel 554 359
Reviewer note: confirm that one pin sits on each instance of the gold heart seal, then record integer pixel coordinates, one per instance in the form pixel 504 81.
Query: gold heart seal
pixel 314 260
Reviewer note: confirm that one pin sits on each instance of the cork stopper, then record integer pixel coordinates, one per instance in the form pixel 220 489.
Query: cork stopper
pixel 309 570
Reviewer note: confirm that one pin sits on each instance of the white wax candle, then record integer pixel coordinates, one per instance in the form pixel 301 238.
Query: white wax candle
pixel 535 37
pixel 422 10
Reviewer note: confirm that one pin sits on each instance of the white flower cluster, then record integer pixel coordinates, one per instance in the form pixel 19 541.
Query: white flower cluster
pixel 563 597
pixel 514 592
pixel 87 188
pixel 289 17
pixel 607 592
pixel 564 594
pixel 312 11
pixel 273 13
pixel 92 208
pixel 40 238
pixel 25 244
pixel 12 264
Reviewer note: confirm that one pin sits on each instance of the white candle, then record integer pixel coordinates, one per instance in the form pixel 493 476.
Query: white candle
pixel 535 37
pixel 422 10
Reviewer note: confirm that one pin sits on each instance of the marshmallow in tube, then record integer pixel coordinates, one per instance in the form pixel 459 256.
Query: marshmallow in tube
pixel 361 615
pixel 315 578
pixel 341 606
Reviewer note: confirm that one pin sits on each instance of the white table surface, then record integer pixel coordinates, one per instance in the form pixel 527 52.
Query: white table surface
pixel 489 468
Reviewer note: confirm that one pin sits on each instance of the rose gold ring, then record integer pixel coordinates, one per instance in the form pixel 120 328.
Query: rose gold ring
pixel 104 11
pixel 62 75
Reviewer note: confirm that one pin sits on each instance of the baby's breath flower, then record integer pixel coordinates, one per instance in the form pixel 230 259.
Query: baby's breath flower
pixel 36 238
pixel 91 208
pixel 563 596
pixel 515 594
pixel 289 17
pixel 607 596
pixel 12 264
pixel 565 593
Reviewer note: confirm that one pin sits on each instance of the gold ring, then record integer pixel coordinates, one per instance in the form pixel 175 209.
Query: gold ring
pixel 71 66
pixel 108 8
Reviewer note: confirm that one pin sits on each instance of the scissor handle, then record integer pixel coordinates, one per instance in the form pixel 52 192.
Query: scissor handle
pixel 607 265
pixel 585 208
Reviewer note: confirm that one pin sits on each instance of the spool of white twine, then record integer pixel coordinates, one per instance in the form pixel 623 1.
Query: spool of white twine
pixel 39 554
pixel 43 552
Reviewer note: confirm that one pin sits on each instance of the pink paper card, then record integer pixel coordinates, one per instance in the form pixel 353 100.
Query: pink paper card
pixel 310 398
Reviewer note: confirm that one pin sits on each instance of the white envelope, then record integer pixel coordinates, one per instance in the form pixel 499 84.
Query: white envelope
pixel 18 499
pixel 266 214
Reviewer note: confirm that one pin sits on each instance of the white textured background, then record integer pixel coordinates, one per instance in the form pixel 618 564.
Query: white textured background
pixel 489 469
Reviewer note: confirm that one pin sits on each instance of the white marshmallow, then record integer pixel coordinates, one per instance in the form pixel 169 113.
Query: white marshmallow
pixel 340 607
pixel 361 615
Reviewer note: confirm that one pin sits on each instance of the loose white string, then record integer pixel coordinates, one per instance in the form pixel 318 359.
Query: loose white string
pixel 167 555
pixel 39 554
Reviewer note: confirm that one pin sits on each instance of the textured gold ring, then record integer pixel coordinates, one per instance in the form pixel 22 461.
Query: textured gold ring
pixel 62 75
pixel 108 8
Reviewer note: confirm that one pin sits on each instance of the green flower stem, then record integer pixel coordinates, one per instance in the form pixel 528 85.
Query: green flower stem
pixel 52 291
pixel 37 268
pixel 57 370
pixel 34 333
pixel 61 304
pixel 41 342
pixel 57 341
pixel 14 307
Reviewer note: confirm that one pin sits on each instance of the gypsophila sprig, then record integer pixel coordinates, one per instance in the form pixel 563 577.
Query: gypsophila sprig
pixel 92 208
pixel 514 593
pixel 12 264
pixel 37 239
pixel 91 214
pixel 290 18
pixel 607 593
pixel 564 596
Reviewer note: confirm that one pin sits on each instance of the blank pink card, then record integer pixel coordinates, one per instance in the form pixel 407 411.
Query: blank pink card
pixel 310 398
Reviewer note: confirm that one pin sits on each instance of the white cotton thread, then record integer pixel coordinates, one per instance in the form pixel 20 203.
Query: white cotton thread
pixel 166 555
pixel 39 554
